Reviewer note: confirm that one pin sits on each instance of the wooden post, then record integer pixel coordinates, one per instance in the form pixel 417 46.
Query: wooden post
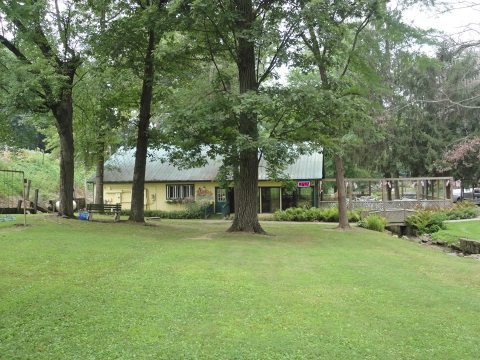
pixel 419 189
pixel 369 188
pixel 35 201
pixel 383 191
pixel 27 194
pixel 350 195
pixel 315 195
pixel 448 191
pixel 321 191
pixel 24 202
pixel 396 188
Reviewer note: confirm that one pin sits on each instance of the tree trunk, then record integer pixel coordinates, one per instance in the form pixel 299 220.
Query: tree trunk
pixel 100 170
pixel 63 113
pixel 246 186
pixel 99 177
pixel 246 195
pixel 342 198
pixel 396 186
pixel 138 187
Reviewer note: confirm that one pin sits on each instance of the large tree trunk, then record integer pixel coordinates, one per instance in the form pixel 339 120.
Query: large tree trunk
pixel 99 177
pixel 63 113
pixel 246 185
pixel 342 198
pixel 138 188
pixel 246 191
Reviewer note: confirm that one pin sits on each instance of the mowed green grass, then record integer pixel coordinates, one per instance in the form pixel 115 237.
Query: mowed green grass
pixel 460 229
pixel 188 290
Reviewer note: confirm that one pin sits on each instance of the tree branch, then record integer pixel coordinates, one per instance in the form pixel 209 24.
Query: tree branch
pixel 233 52
pixel 212 57
pixel 276 55
pixel 262 6
pixel 59 26
pixel 13 49
pixel 355 39
pixel 466 46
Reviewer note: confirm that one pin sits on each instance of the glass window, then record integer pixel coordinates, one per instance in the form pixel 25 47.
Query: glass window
pixel 270 199
pixel 175 192
pixel 305 197
pixel 289 198
pixel 221 195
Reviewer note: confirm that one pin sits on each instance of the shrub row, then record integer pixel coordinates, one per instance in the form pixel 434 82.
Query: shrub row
pixel 462 210
pixel 314 214
pixel 192 211
pixel 427 221
pixel 431 221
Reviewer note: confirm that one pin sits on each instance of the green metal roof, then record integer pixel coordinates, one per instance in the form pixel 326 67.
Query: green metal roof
pixel 119 168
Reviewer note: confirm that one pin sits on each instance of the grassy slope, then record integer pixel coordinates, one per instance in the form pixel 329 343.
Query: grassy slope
pixel 42 169
pixel 187 289
pixel 456 230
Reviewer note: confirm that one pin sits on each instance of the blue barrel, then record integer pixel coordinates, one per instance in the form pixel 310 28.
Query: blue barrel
pixel 83 215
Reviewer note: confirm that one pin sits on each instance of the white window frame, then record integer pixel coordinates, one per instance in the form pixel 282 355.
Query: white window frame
pixel 180 191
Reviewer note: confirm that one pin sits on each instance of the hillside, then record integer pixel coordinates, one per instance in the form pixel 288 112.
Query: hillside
pixel 42 169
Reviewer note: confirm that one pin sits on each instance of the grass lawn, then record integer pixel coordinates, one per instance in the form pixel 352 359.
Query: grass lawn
pixel 186 290
pixel 456 230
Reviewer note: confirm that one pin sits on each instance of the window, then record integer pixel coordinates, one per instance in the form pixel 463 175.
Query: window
pixel 179 192
pixel 299 197
pixel 305 197
pixel 221 195
pixel 270 198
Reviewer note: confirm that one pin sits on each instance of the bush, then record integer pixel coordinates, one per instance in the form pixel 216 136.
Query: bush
pixel 374 222
pixel 462 210
pixel 314 214
pixel 192 211
pixel 427 221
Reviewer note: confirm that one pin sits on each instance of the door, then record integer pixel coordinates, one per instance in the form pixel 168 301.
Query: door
pixel 220 199
pixel 270 197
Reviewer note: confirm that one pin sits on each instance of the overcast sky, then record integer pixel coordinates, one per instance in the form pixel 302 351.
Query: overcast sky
pixel 461 22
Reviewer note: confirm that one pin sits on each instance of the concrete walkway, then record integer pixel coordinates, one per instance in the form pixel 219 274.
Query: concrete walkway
pixel 461 220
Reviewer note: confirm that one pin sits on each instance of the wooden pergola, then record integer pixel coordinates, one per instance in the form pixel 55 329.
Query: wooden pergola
pixel 391 193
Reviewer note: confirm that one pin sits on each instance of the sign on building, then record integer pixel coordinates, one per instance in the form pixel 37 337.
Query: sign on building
pixel 303 183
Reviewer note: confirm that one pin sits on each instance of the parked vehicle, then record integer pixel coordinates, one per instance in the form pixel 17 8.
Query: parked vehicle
pixel 471 194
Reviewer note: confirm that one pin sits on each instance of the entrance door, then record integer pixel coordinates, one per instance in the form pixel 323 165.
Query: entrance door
pixel 220 199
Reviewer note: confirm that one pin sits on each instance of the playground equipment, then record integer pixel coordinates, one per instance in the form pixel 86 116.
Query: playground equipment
pixel 12 195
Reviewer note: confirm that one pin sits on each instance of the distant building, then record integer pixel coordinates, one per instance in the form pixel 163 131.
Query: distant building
pixel 169 188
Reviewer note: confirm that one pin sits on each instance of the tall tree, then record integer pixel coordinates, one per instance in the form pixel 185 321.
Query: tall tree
pixel 331 33
pixel 42 38
pixel 248 34
pixel 103 100
pixel 130 43
pixel 154 33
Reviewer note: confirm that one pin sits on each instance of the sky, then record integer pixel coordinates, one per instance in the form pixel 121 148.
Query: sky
pixel 456 19
pixel 461 22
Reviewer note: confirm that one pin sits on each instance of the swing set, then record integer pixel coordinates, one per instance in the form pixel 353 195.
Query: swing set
pixel 12 195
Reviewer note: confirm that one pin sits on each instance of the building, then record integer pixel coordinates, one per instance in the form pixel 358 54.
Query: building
pixel 169 188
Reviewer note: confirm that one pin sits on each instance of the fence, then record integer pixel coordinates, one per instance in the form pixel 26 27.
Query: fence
pixel 12 195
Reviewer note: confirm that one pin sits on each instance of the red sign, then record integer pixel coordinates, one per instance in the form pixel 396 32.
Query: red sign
pixel 303 184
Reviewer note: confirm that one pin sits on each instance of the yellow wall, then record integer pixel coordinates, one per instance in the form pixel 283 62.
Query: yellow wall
pixel 156 197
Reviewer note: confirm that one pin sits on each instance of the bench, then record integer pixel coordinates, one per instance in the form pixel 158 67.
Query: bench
pixel 110 209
